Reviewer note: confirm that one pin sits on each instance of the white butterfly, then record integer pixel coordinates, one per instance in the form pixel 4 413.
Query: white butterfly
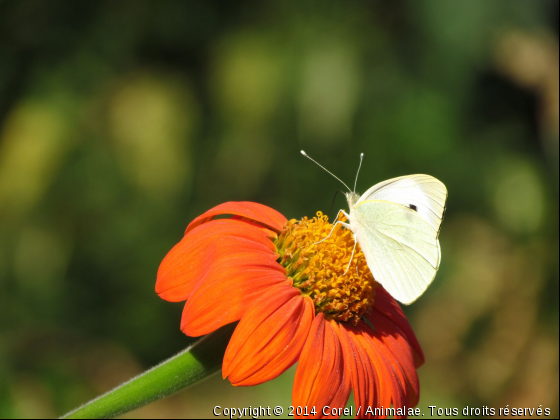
pixel 397 223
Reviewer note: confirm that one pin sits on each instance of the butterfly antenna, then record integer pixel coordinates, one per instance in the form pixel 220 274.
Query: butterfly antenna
pixel 358 173
pixel 325 169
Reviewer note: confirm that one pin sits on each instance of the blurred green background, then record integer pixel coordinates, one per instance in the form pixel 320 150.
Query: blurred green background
pixel 121 121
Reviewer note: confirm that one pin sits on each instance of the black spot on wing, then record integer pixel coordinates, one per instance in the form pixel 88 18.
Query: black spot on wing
pixel 413 207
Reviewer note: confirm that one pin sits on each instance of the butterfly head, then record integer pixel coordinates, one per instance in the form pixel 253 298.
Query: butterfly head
pixel 352 198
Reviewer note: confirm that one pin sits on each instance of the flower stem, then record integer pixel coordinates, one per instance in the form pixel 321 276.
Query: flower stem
pixel 197 362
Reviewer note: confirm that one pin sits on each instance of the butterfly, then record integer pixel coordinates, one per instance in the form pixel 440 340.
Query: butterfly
pixel 397 223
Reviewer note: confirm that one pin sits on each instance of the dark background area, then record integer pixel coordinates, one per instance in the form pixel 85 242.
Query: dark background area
pixel 121 121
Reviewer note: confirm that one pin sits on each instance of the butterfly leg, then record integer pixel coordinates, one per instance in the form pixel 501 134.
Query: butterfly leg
pixel 351 258
pixel 338 222
pixel 347 226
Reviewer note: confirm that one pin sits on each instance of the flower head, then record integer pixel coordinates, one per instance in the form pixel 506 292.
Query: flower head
pixel 297 297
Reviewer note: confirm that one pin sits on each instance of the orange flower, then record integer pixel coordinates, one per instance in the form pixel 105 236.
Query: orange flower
pixel 294 302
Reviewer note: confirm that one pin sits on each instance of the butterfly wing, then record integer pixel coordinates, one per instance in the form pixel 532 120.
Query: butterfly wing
pixel 401 247
pixel 422 193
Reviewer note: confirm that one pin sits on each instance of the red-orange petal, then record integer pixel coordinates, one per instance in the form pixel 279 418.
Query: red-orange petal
pixel 398 345
pixel 269 337
pixel 383 377
pixel 397 379
pixel 185 265
pixel 385 304
pixel 230 285
pixel 390 373
pixel 253 211
pixel 361 370
pixel 321 380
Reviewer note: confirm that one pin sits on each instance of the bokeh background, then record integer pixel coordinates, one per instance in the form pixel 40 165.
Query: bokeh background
pixel 121 121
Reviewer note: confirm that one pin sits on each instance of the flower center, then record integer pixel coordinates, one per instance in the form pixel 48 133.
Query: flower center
pixel 319 270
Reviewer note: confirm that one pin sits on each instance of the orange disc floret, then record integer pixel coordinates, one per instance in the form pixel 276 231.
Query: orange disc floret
pixel 321 260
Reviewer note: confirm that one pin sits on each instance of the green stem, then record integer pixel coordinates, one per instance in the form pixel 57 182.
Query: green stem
pixel 197 362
